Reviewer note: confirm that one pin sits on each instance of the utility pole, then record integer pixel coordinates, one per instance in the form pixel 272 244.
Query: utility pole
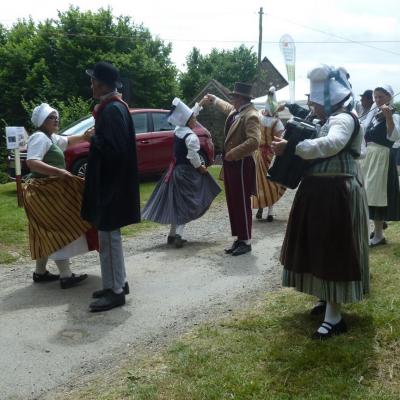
pixel 260 34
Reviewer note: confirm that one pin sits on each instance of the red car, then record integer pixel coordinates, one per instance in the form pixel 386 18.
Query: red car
pixel 154 141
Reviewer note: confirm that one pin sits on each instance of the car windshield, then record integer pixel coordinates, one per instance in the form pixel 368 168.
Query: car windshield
pixel 78 128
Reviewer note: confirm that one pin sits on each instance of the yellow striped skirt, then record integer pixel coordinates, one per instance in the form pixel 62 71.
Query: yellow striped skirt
pixel 53 207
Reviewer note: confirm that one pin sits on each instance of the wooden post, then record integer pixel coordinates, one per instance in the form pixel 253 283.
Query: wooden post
pixel 260 35
pixel 17 161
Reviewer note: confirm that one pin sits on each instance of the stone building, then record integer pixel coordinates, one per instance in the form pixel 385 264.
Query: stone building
pixel 214 120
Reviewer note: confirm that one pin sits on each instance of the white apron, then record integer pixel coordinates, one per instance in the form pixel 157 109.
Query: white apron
pixel 375 167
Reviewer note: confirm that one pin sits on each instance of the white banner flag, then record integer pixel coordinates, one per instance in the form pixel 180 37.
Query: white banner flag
pixel 288 49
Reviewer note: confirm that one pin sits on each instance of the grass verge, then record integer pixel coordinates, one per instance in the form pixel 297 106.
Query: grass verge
pixel 265 352
pixel 14 225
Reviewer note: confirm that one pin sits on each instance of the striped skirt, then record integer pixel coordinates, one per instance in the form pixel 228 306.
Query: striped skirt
pixel 268 192
pixel 328 241
pixel 53 207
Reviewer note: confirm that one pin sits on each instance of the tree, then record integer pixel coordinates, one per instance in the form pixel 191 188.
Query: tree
pixel 226 66
pixel 47 61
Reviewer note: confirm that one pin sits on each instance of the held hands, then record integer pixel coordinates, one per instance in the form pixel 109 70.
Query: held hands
pixel 202 169
pixel 88 134
pixel 208 99
pixel 279 145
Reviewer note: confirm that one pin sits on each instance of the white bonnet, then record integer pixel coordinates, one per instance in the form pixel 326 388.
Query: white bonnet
pixel 40 113
pixel 386 88
pixel 180 113
pixel 328 85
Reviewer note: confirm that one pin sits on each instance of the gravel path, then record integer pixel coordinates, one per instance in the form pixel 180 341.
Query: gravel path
pixel 50 342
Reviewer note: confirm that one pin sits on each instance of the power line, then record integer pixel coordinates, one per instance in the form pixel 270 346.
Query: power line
pixel 365 43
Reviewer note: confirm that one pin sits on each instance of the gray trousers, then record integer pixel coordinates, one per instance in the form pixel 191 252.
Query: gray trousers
pixel 112 260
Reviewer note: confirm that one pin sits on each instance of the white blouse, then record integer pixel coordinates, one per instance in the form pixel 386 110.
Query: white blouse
pixel 39 144
pixel 340 128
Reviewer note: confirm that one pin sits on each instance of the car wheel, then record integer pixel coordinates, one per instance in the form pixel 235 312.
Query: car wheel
pixel 79 167
pixel 204 159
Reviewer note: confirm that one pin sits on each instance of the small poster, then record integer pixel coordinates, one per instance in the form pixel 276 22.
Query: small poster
pixel 16 137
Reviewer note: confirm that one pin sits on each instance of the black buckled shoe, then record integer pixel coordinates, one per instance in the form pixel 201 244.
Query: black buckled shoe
pixel 108 301
pixel 179 242
pixel 242 248
pixel 233 247
pixel 170 239
pixel 100 293
pixel 270 218
pixel 332 330
pixel 46 277
pixel 72 280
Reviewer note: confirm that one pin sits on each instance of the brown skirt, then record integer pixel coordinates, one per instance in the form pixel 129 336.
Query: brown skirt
pixel 320 236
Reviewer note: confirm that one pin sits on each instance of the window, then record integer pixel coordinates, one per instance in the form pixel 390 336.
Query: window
pixel 160 122
pixel 140 122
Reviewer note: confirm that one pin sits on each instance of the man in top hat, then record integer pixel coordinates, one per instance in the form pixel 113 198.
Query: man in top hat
pixel 111 196
pixel 363 107
pixel 242 138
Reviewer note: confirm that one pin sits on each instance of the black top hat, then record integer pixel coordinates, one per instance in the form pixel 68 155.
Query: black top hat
pixel 367 94
pixel 105 72
pixel 243 89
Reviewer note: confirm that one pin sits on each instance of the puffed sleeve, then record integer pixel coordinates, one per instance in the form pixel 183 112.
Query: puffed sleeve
pixel 193 146
pixel 341 127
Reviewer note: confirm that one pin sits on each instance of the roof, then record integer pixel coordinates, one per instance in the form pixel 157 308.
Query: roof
pixel 214 87
pixel 268 76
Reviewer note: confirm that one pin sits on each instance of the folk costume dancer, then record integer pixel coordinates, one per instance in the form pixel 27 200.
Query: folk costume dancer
pixel 186 190
pixel 268 192
pixel 52 201
pixel 325 250
pixel 379 165
pixel 111 196
pixel 242 138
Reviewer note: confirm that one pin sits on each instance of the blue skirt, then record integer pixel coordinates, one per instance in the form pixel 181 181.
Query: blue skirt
pixel 182 198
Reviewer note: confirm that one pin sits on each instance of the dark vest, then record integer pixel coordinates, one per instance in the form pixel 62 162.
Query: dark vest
pixel 180 150
pixel 377 134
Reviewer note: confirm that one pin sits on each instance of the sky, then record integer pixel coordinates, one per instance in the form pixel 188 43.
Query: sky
pixel 362 36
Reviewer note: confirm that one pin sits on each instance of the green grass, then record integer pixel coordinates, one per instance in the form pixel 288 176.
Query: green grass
pixel 265 352
pixel 14 226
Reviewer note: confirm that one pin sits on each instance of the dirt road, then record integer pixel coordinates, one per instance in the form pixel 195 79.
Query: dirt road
pixel 48 339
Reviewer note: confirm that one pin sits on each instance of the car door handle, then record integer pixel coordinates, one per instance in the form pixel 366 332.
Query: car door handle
pixel 144 141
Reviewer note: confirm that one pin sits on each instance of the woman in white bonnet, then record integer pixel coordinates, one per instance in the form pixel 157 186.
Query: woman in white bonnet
pixel 186 190
pixel 52 204
pixel 268 192
pixel 379 165
pixel 325 250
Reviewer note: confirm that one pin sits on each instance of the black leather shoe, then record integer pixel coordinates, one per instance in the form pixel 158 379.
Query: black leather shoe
pixel 319 308
pixel 108 301
pixel 100 293
pixel 46 277
pixel 179 242
pixel 170 239
pixel 72 280
pixel 336 329
pixel 270 218
pixel 233 247
pixel 242 248
pixel 259 213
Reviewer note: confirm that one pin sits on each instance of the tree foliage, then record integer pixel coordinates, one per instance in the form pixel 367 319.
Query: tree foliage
pixel 226 66
pixel 47 61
